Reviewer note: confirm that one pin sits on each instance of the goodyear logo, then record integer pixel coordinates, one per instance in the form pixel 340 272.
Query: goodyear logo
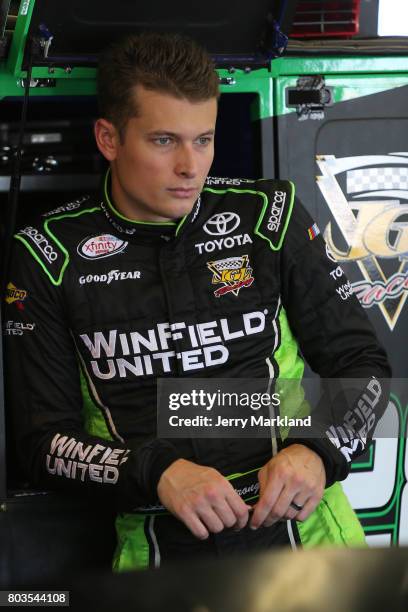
pixel 13 294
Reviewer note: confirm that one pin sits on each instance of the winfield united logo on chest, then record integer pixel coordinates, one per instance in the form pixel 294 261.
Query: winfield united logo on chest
pixel 233 272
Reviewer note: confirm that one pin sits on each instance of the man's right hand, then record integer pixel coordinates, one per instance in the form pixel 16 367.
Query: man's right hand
pixel 203 499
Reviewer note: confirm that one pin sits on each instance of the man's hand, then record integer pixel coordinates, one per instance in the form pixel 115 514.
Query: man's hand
pixel 296 475
pixel 202 498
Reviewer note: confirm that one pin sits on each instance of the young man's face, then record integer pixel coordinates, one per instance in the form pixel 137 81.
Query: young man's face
pixel 159 168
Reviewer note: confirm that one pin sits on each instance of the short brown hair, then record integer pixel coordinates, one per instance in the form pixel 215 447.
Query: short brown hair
pixel 170 63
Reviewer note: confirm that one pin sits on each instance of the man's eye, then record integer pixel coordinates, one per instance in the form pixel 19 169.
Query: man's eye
pixel 204 140
pixel 162 140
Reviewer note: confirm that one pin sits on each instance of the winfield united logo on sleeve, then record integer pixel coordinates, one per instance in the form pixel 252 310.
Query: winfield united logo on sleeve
pixel 368 198
pixel 233 273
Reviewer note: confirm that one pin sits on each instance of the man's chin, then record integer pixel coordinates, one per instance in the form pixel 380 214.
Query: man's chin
pixel 177 208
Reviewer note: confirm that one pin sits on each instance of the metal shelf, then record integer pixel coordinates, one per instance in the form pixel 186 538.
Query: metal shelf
pixel 56 182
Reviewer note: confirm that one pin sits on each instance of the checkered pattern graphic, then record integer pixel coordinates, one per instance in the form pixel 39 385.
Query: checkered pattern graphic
pixel 373 179
pixel 233 263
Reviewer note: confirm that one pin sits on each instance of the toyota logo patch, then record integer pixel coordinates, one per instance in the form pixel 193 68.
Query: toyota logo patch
pixel 222 224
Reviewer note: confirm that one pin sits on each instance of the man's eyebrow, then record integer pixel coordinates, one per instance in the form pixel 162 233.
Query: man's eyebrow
pixel 169 133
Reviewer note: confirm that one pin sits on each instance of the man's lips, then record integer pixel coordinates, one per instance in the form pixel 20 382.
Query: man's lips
pixel 181 192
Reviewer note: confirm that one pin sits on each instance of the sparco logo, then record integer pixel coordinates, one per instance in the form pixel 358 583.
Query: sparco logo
pixel 113 275
pixel 41 243
pixel 275 213
pixel 101 246
pixel 222 224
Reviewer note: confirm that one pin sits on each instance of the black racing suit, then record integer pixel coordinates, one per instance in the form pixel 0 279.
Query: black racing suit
pixel 99 306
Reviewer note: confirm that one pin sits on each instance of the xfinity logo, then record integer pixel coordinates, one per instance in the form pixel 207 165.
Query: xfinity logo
pixel 222 224
pixel 104 245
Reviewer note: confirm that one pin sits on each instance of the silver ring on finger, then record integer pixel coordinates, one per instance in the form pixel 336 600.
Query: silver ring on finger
pixel 296 506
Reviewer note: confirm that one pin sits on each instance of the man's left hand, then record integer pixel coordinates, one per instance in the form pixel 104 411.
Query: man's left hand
pixel 294 478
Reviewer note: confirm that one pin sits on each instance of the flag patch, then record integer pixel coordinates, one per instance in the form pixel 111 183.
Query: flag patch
pixel 313 231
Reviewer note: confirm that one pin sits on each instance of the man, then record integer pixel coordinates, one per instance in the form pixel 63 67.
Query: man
pixel 113 291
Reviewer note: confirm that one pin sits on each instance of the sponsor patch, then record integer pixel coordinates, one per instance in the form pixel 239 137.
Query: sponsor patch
pixel 40 242
pixel 71 458
pixel 100 246
pixel 67 207
pixel 276 211
pixel 15 295
pixel 115 354
pixel 345 291
pixel 222 224
pixel 313 231
pixel 17 328
pixel 223 243
pixel 351 436
pixel 108 277
pixel 233 272
pixel 217 180
pixel 277 208
pixel 44 249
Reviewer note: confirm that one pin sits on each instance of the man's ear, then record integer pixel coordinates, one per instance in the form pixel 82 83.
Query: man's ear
pixel 107 138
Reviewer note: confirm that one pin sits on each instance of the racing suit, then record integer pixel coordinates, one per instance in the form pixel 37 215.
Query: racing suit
pixel 99 307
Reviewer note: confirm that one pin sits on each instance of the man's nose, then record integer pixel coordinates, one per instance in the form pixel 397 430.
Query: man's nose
pixel 186 162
